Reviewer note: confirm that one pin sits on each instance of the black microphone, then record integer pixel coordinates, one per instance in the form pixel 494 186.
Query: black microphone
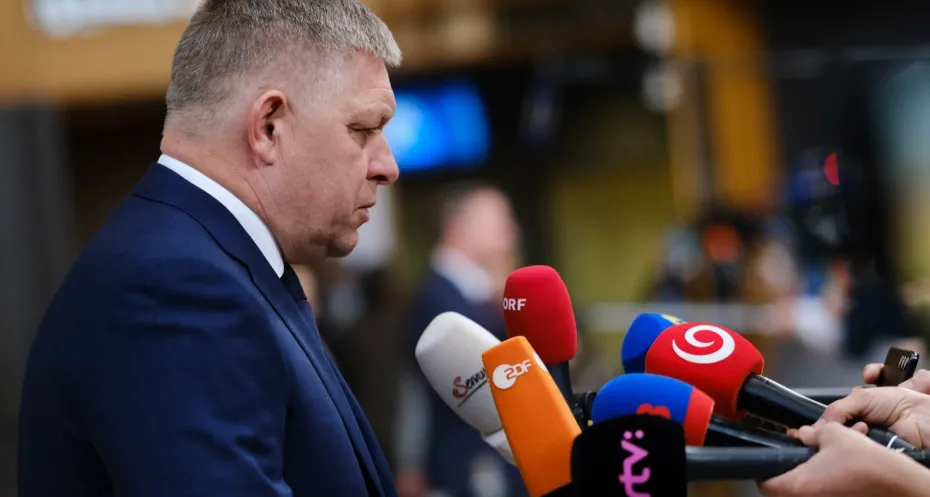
pixel 630 454
pixel 743 463
pixel 647 454
pixel 723 432
pixel 824 395
pixel 771 400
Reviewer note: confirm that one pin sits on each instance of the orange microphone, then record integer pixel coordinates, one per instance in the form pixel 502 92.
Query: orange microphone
pixel 539 425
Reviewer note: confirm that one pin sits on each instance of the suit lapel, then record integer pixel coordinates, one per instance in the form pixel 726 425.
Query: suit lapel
pixel 383 472
pixel 345 402
pixel 160 184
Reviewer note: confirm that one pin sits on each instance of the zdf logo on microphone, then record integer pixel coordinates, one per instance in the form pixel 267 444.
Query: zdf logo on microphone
pixel 727 345
pixel 505 375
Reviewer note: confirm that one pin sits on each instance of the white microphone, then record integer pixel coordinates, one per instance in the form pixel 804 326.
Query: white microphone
pixel 449 354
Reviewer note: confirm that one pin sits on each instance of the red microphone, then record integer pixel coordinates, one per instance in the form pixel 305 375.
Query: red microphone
pixel 537 306
pixel 715 360
pixel 728 368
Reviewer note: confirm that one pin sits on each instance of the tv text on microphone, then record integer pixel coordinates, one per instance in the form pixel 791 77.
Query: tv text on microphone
pixel 637 455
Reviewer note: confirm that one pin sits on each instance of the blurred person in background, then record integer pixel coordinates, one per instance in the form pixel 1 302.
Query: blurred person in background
pixel 705 261
pixel 180 355
pixel 476 251
pixel 725 250
pixel 682 261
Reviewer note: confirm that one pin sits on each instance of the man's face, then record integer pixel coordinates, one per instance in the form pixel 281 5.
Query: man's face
pixel 488 228
pixel 332 157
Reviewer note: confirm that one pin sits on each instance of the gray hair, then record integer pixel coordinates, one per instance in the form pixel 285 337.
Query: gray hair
pixel 226 38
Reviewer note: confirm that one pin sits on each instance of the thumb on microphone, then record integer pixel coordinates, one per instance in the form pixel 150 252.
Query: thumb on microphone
pixel 903 411
pixel 873 405
pixel 871 372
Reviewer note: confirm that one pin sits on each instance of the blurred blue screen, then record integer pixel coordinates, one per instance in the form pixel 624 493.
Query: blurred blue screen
pixel 439 126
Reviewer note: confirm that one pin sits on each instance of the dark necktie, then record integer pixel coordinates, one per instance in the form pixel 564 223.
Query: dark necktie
pixel 292 282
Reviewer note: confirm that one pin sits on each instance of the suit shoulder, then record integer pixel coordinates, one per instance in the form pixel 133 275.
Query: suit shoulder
pixel 142 229
pixel 153 257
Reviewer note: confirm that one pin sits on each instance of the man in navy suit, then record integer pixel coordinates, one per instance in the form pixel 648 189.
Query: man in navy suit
pixel 476 251
pixel 180 357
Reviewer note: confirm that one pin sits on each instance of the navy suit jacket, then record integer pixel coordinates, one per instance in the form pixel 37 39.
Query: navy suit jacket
pixel 173 362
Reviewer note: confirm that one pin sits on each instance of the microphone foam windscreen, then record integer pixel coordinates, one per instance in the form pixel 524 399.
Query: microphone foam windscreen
pixel 640 336
pixel 537 306
pixel 640 393
pixel 538 423
pixel 449 354
pixel 631 455
pixel 710 357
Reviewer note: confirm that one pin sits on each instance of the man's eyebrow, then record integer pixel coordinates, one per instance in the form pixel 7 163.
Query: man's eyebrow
pixel 383 112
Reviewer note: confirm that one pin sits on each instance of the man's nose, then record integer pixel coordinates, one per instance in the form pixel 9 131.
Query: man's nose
pixel 383 167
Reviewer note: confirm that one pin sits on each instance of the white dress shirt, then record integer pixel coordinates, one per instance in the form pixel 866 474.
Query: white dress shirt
pixel 466 275
pixel 251 223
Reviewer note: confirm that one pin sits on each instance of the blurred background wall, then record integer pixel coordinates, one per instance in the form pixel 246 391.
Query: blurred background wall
pixel 761 164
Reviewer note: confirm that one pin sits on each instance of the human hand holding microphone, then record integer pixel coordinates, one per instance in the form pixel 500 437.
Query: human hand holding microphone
pixel 848 464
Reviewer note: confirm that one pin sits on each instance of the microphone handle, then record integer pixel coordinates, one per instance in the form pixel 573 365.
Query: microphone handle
pixel 563 380
pixel 743 463
pixel 775 402
pixel 747 463
pixel 723 432
pixel 770 400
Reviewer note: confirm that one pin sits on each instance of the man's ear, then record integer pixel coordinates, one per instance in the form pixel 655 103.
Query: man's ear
pixel 263 123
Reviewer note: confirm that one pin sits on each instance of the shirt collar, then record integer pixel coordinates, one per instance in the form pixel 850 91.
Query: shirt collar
pixel 472 280
pixel 251 223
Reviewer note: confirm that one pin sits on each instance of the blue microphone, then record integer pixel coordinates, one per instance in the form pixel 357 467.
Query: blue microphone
pixel 675 400
pixel 639 337
pixel 641 393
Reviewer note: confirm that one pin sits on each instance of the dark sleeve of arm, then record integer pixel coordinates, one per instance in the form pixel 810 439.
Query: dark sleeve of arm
pixel 188 395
